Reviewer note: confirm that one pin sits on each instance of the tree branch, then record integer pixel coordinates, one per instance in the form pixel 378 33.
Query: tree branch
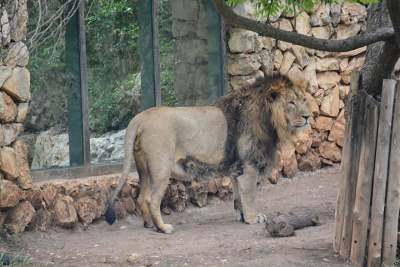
pixel 230 17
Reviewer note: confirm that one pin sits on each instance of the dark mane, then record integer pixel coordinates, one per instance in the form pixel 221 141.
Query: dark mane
pixel 247 111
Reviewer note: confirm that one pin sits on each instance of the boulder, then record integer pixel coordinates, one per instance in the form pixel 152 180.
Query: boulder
pixel 5 73
pixel 35 197
pixel 312 104
pixel 296 76
pixel 287 61
pixel 8 109
pixel 328 80
pixel 303 142
pixel 310 75
pixel 18 55
pixel 278 57
pixel 50 151
pixel 243 64
pixel 8 163
pixel 49 194
pixel 10 132
pixel 242 41
pixel 330 151
pixel 19 217
pixel 346 31
pixel 198 193
pixel 321 16
pixel 18 84
pixel 352 53
pixel 22 112
pixel 309 162
pixel 64 212
pixel 303 23
pixel 327 64
pixel 10 194
pixel 86 209
pixel 318 138
pixel 323 123
pixel 129 205
pixel 302 56
pixel 330 103
pixel 18 24
pixel 353 13
pixel 267 61
pixel 21 154
pixel 337 132
pixel 42 220
pixel 321 32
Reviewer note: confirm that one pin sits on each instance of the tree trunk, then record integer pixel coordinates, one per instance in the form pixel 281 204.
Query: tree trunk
pixel 381 57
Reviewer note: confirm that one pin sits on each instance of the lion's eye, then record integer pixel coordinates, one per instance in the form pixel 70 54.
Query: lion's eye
pixel 292 103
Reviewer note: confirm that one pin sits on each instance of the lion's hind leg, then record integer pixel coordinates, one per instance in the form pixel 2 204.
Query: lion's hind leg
pixel 237 203
pixel 247 187
pixel 145 193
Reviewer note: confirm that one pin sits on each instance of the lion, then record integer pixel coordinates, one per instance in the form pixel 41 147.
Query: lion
pixel 238 135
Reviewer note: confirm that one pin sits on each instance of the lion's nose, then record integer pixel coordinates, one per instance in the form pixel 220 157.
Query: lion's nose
pixel 306 117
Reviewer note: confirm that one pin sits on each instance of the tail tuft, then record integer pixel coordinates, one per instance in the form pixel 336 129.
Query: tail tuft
pixel 110 215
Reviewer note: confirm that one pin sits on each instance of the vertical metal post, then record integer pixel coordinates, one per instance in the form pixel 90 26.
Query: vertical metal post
pixel 76 70
pixel 149 53
pixel 216 52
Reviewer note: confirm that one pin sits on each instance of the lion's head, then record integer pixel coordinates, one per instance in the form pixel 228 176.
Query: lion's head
pixel 289 106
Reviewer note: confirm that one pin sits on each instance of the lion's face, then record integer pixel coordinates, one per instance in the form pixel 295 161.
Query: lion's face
pixel 290 108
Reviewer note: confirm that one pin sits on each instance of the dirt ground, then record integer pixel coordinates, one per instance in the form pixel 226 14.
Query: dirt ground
pixel 203 236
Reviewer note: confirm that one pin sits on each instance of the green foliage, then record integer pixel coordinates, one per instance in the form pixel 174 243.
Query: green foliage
pixel 267 8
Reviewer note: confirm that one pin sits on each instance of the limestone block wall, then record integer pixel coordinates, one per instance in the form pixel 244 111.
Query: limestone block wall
pixel 325 75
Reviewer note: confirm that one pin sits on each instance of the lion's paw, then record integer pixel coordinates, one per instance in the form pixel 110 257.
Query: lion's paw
pixel 261 218
pixel 167 229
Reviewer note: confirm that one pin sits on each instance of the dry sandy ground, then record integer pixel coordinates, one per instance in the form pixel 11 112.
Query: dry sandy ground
pixel 203 237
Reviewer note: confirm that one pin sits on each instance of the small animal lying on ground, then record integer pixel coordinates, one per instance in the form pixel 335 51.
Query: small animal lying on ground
pixel 283 225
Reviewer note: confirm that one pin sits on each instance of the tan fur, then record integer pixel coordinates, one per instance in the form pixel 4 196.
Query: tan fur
pixel 162 138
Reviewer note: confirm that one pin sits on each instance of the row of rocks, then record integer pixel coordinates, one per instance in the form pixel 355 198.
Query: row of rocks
pixel 82 201
pixel 324 75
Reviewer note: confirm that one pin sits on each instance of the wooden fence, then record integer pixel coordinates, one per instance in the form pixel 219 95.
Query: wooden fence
pixel 368 202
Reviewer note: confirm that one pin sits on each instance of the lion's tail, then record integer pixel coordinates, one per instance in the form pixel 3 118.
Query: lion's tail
pixel 130 136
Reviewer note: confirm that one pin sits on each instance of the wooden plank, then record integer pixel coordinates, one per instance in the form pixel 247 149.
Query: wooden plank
pixel 381 173
pixel 74 88
pixel 364 182
pixel 346 160
pixel 216 44
pixel 149 54
pixel 393 190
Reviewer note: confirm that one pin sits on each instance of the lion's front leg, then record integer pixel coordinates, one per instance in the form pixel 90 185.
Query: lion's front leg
pixel 237 203
pixel 247 187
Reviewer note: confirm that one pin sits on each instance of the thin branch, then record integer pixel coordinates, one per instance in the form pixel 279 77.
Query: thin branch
pixel 348 44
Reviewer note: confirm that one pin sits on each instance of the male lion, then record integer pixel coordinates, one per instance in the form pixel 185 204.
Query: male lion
pixel 238 134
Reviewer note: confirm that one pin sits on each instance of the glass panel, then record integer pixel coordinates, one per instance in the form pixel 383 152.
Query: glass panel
pixel 184 47
pixel 112 34
pixel 46 128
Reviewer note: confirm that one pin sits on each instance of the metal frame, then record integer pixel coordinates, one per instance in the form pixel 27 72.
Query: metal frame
pixel 78 103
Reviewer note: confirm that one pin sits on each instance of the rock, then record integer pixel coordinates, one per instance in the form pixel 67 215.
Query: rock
pixel 323 123
pixel 278 57
pixel 328 80
pixel 243 64
pixel 346 31
pixel 296 76
pixel 64 211
pixel 310 75
pixel 353 13
pixel 50 151
pixel 239 81
pixel 22 112
pixel 5 29
pixel 49 194
pixel 176 196
pixel 18 24
pixel 355 64
pixel 18 55
pixel 352 53
pixel 266 42
pixel 330 151
pixel 337 132
pixel 21 153
pixel 321 16
pixel 242 41
pixel 3 216
pixel 312 104
pixel 327 64
pixel 309 162
pixel 5 73
pixel 321 32
pixel 330 104
pixel 107 147
pixel 42 220
pixel 119 208
pixel 8 163
pixel 8 109
pixel 335 13
pixel 288 156
pixel 301 55
pixel 129 205
pixel 343 64
pixel 267 62
pixel 285 25
pixel 284 46
pixel 133 258
pixel 10 132
pixel 288 59
pixel 10 194
pixel 212 186
pixel 303 23
pixel 322 54
pixel 86 209
pixel 344 90
pixel 18 84
pixel 35 197
pixel 19 217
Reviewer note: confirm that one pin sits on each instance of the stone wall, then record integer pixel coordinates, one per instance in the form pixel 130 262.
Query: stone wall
pixel 325 75
pixel 15 178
